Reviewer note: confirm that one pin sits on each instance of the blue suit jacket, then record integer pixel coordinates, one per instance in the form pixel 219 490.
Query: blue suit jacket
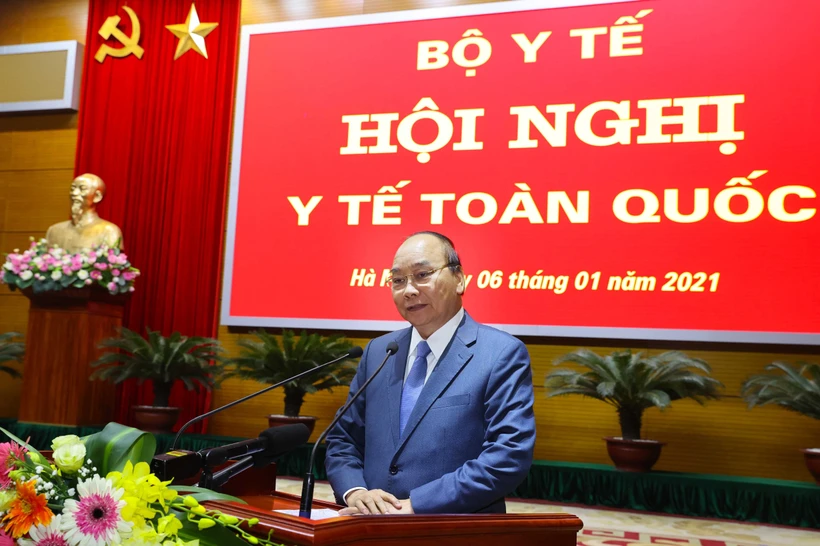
pixel 469 440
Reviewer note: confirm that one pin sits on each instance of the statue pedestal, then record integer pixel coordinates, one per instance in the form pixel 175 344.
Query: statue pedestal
pixel 64 329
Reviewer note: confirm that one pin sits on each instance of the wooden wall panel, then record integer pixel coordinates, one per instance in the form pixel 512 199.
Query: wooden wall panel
pixel 32 21
pixel 36 157
pixel 38 142
pixel 36 199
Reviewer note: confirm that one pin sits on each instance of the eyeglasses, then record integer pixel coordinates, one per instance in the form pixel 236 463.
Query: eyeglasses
pixel 420 278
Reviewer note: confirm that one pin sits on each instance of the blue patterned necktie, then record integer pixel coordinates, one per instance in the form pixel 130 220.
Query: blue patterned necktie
pixel 413 384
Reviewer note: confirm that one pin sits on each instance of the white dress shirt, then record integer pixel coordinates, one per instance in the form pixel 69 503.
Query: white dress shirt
pixel 438 342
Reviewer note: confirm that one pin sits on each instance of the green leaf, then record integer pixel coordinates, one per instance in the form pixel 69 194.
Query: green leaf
pixel 19 441
pixel 202 495
pixel 215 536
pixel 116 444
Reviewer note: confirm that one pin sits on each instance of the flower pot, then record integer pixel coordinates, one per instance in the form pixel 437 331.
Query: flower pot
pixel 633 455
pixel 159 420
pixel 277 420
pixel 813 462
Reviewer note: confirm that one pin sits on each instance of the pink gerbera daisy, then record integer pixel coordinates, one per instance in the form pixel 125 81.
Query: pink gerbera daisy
pixel 9 453
pixel 5 540
pixel 46 535
pixel 95 519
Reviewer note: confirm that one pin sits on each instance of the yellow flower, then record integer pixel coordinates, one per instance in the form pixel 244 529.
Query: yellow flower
pixel 205 523
pixel 169 525
pixel 69 452
pixel 143 490
pixel 143 536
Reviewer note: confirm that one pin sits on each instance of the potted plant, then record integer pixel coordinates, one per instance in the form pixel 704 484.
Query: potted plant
pixel 633 383
pixel 793 389
pixel 11 351
pixel 195 361
pixel 265 360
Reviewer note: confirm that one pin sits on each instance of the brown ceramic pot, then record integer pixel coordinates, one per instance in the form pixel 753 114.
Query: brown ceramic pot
pixel 633 455
pixel 158 420
pixel 813 462
pixel 277 420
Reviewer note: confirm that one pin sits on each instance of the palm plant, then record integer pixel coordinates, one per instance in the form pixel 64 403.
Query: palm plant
pixel 263 359
pixel 11 351
pixel 794 389
pixel 195 361
pixel 633 383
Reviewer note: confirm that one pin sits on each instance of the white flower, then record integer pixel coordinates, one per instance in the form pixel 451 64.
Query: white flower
pixel 56 274
pixel 95 519
pixel 82 274
pixel 69 452
pixel 26 275
pixel 42 535
pixel 7 266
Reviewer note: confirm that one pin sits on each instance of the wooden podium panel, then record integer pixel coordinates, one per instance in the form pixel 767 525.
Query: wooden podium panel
pixel 440 530
pixel 64 329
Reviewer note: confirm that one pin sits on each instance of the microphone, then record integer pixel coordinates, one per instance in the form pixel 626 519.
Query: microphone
pixel 355 352
pixel 271 443
pixel 308 483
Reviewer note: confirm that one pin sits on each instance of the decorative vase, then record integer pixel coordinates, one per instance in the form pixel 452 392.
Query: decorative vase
pixel 276 420
pixel 633 455
pixel 813 462
pixel 156 419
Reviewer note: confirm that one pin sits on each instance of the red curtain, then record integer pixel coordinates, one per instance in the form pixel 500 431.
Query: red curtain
pixel 157 131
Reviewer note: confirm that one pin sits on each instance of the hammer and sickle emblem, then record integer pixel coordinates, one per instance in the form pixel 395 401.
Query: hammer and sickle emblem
pixel 130 44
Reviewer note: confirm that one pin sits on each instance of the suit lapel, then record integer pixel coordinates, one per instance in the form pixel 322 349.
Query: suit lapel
pixel 455 357
pixel 396 382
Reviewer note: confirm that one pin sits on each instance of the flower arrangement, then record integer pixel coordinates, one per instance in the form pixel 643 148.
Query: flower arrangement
pixel 45 268
pixel 93 494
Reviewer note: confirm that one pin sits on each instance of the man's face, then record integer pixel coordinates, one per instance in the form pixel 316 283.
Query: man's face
pixel 83 194
pixel 430 303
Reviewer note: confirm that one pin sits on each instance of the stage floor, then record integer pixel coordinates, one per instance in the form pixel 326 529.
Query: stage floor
pixel 615 527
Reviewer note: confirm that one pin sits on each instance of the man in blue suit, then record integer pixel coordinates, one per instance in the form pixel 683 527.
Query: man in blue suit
pixel 448 425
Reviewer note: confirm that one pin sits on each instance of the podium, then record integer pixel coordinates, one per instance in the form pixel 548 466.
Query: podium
pixel 439 529
pixel 64 329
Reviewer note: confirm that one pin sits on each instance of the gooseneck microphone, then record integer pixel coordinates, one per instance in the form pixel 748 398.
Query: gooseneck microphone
pixel 308 483
pixel 355 352
pixel 271 443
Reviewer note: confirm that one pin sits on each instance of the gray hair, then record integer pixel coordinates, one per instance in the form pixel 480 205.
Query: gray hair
pixel 453 260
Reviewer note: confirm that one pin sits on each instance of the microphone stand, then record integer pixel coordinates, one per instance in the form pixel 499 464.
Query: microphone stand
pixel 214 481
pixel 307 485
pixel 356 351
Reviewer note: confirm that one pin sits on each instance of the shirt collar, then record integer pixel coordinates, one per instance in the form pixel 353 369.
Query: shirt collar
pixel 440 339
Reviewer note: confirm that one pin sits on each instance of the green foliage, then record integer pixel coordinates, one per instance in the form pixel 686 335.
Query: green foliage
pixel 632 382
pixel 196 361
pixel 794 389
pixel 265 360
pixel 116 444
pixel 11 351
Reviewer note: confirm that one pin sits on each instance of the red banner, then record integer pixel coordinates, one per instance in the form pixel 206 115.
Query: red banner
pixel 637 170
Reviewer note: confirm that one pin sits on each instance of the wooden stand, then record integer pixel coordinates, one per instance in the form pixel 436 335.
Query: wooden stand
pixel 64 329
pixel 441 530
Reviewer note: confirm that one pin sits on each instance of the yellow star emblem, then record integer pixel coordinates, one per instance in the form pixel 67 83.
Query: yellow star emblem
pixel 191 34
